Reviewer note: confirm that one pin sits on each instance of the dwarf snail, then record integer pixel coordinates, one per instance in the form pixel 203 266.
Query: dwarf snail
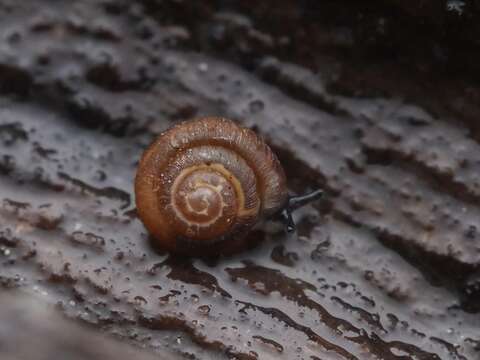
pixel 203 184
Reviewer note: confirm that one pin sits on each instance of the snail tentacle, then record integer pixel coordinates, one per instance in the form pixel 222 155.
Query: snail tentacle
pixel 295 202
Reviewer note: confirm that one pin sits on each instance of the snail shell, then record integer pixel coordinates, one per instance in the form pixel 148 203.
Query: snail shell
pixel 203 184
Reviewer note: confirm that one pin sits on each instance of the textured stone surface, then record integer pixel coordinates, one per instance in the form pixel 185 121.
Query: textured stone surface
pixel 386 265
pixel 30 330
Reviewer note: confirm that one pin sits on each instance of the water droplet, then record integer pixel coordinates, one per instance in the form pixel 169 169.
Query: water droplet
pixel 204 309
pixel 455 6
pixel 203 67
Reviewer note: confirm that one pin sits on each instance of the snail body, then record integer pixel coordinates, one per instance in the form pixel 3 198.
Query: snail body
pixel 203 184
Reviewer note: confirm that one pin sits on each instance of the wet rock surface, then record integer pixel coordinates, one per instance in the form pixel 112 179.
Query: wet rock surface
pixel 30 321
pixel 387 266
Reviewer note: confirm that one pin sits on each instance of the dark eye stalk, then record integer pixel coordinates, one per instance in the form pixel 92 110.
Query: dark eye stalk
pixel 295 202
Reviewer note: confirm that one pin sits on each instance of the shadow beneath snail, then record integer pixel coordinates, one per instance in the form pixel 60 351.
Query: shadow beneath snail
pixel 213 252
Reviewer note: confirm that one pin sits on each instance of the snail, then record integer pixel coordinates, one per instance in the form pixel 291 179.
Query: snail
pixel 203 184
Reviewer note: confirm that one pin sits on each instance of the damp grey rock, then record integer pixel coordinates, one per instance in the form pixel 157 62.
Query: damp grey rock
pixel 386 265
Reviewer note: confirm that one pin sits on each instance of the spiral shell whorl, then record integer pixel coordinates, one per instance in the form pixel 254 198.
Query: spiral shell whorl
pixel 207 190
pixel 206 181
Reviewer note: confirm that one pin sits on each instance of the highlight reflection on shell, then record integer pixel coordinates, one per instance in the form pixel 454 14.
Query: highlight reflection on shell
pixel 204 183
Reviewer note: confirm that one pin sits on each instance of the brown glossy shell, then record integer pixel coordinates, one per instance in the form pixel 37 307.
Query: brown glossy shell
pixel 204 183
